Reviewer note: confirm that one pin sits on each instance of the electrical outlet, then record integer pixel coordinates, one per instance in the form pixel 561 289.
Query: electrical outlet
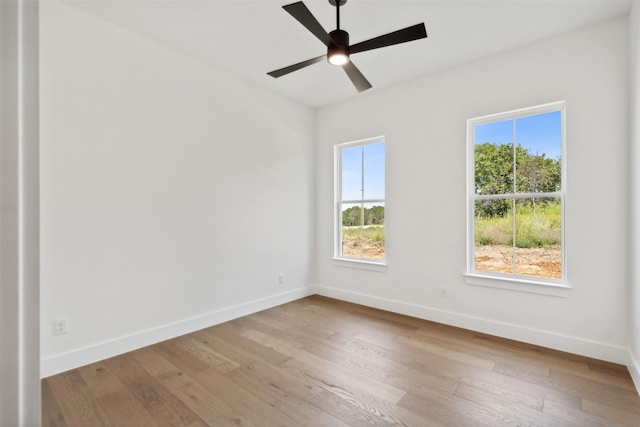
pixel 444 292
pixel 281 279
pixel 60 326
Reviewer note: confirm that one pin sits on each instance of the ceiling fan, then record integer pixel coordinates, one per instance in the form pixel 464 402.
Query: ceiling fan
pixel 337 42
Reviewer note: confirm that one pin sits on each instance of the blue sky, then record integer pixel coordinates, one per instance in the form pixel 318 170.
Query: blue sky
pixel 352 171
pixel 540 134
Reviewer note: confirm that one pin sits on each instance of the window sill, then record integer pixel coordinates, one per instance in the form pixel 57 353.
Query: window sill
pixel 358 264
pixel 518 284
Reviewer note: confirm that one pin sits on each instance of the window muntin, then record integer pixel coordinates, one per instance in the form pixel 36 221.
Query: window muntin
pixel 516 195
pixel 360 200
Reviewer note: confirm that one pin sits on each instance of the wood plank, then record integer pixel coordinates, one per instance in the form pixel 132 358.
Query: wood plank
pixel 245 347
pixel 539 359
pixel 519 396
pixel 52 415
pixel 100 380
pixel 316 363
pixel 206 354
pixel 449 410
pixel 125 410
pixel 467 374
pixel 352 415
pixel 276 387
pixel 361 400
pixel 243 401
pixel 530 354
pixel 206 404
pixel 165 407
pixel 434 348
pixel 75 402
pixel 369 361
pixel 611 413
pixel 579 386
pixel 180 358
pixel 508 410
pixel 575 416
pixel 324 420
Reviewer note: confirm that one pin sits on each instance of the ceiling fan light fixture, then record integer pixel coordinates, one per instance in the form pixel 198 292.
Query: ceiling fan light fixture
pixel 338 52
pixel 338 56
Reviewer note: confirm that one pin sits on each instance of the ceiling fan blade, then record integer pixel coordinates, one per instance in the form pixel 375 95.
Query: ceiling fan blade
pixel 291 68
pixel 408 34
pixel 303 15
pixel 358 80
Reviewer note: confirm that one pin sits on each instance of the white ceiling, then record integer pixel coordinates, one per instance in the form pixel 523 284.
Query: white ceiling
pixel 249 38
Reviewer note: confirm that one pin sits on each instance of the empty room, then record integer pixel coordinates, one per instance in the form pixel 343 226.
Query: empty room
pixel 320 213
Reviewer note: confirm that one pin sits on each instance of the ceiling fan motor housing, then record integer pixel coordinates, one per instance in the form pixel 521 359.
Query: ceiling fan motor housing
pixel 340 44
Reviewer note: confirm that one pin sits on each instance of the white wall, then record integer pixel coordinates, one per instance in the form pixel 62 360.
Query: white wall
pixel 634 299
pixel 172 194
pixel 425 125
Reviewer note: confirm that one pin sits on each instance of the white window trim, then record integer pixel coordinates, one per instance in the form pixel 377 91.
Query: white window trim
pixel 350 262
pixel 554 287
pixel 360 264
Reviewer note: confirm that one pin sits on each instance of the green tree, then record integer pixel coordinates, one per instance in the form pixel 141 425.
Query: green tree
pixel 352 216
pixel 495 174
pixel 537 173
pixel 493 168
pixel 376 215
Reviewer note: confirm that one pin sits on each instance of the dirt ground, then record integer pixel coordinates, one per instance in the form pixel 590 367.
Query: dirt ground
pixel 370 249
pixel 537 262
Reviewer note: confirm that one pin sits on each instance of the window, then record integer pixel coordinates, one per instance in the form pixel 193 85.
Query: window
pixel 516 195
pixel 360 200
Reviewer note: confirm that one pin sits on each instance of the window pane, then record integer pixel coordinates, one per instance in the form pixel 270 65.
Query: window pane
pixel 538 151
pixel 539 237
pixel 373 231
pixel 351 161
pixel 351 229
pixel 493 224
pixel 374 171
pixel 363 230
pixel 494 158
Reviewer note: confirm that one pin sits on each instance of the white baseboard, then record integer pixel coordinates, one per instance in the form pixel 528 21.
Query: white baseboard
pixel 570 344
pixel 75 358
pixel 634 370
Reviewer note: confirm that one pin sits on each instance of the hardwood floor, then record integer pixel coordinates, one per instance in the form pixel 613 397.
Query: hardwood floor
pixel 322 362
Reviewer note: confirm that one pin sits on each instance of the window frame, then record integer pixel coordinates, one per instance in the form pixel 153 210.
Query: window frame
pixel 513 281
pixel 347 261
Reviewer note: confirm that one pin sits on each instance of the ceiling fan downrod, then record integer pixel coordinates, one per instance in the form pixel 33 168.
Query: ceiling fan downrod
pixel 337 4
pixel 338 53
